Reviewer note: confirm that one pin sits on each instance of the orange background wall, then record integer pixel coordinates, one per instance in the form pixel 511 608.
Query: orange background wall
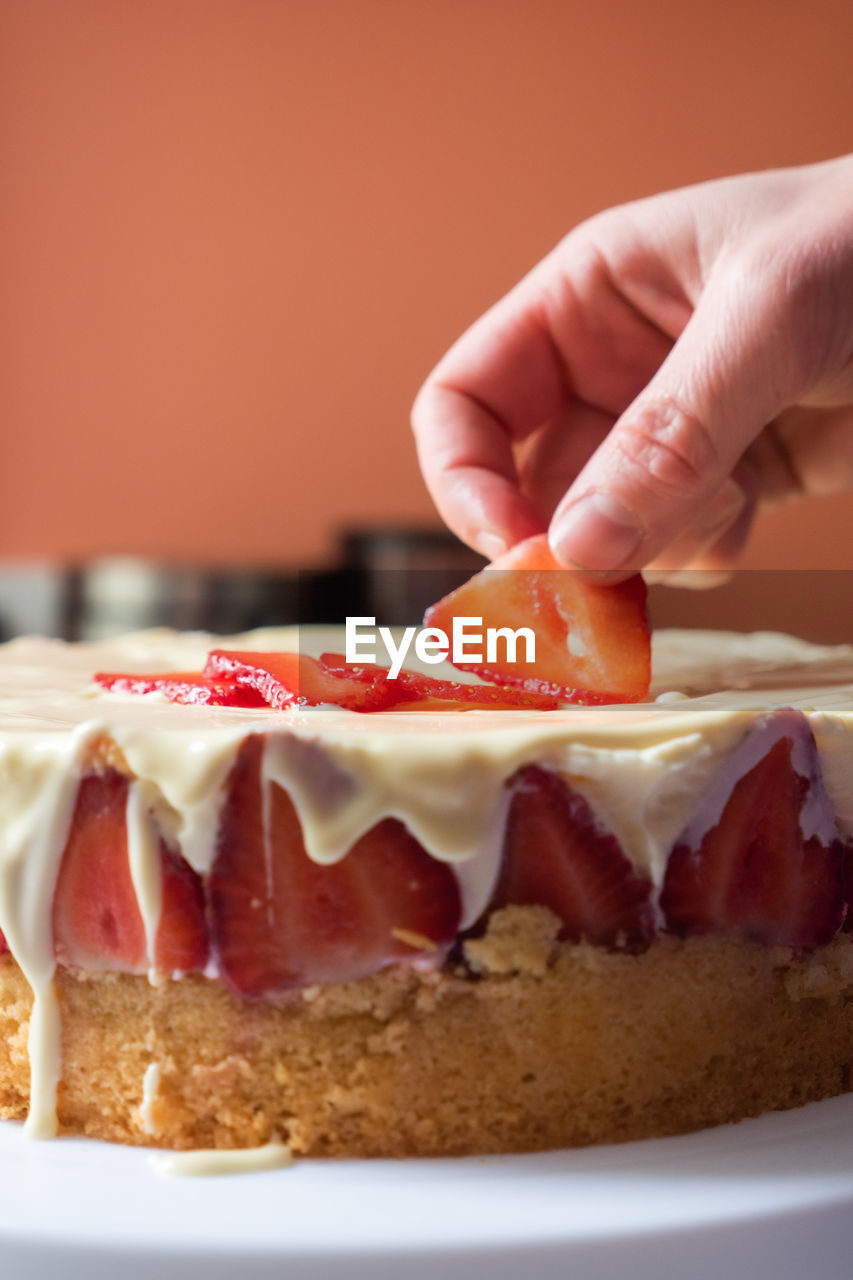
pixel 235 234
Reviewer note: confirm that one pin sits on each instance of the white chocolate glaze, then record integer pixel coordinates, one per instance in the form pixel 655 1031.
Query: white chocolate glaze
pixel 150 1089
pixel 642 768
pixel 213 1162
pixel 38 786
pixel 143 855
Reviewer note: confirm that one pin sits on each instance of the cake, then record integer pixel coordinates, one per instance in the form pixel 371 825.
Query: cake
pixel 422 933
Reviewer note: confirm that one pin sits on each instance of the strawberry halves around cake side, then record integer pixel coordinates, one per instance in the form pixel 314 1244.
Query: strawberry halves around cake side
pixel 279 920
pixel 97 919
pixel 557 854
pixel 762 858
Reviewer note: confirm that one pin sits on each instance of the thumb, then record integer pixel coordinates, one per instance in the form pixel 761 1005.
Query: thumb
pixel 673 450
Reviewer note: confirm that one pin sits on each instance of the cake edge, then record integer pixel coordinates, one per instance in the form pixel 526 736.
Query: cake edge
pixel 548 1045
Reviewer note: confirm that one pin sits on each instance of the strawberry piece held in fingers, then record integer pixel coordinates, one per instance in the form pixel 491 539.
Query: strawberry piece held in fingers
pixel 592 640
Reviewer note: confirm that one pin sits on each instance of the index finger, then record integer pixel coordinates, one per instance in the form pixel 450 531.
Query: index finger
pixel 501 381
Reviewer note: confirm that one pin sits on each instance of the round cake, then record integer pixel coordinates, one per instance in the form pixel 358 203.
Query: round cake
pixel 422 932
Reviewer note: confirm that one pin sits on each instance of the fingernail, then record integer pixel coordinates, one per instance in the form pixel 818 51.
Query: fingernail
pixel 596 532
pixel 490 544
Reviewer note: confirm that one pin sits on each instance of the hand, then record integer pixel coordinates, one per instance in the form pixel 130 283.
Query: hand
pixel 671 365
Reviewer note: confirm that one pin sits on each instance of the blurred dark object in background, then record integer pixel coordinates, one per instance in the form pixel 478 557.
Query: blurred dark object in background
pixel 33 599
pixel 391 574
pixel 117 594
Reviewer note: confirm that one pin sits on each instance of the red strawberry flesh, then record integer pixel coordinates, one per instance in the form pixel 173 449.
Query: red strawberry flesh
pixel 97 922
pixel 557 855
pixel 414 687
pixel 181 943
pixel 294 679
pixel 188 687
pixel 592 640
pixel 769 866
pixel 96 918
pixel 280 920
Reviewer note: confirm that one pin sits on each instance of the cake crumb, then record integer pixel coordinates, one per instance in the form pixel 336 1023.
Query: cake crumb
pixel 412 939
pixel 222 1075
pixel 518 940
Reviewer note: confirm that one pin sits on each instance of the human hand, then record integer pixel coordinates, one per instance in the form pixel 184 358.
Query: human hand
pixel 669 366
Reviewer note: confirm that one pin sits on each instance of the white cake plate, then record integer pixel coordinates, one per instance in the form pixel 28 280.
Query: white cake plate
pixel 768 1199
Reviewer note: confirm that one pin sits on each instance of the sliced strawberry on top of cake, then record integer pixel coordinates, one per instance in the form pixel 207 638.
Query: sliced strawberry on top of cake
pixel 296 679
pixel 591 640
pixel 188 687
pixel 415 689
pixel 280 920
pixel 762 858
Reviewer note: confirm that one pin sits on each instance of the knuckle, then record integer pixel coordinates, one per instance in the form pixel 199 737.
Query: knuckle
pixel 669 446
pixel 799 288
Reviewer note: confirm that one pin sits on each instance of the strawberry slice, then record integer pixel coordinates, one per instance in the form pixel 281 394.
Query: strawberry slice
pixel 557 855
pixel 4 946
pixel 181 942
pixel 443 705
pixel 295 679
pixel 592 641
pixel 413 688
pixel 182 686
pixel 96 918
pixel 767 863
pixel 280 920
